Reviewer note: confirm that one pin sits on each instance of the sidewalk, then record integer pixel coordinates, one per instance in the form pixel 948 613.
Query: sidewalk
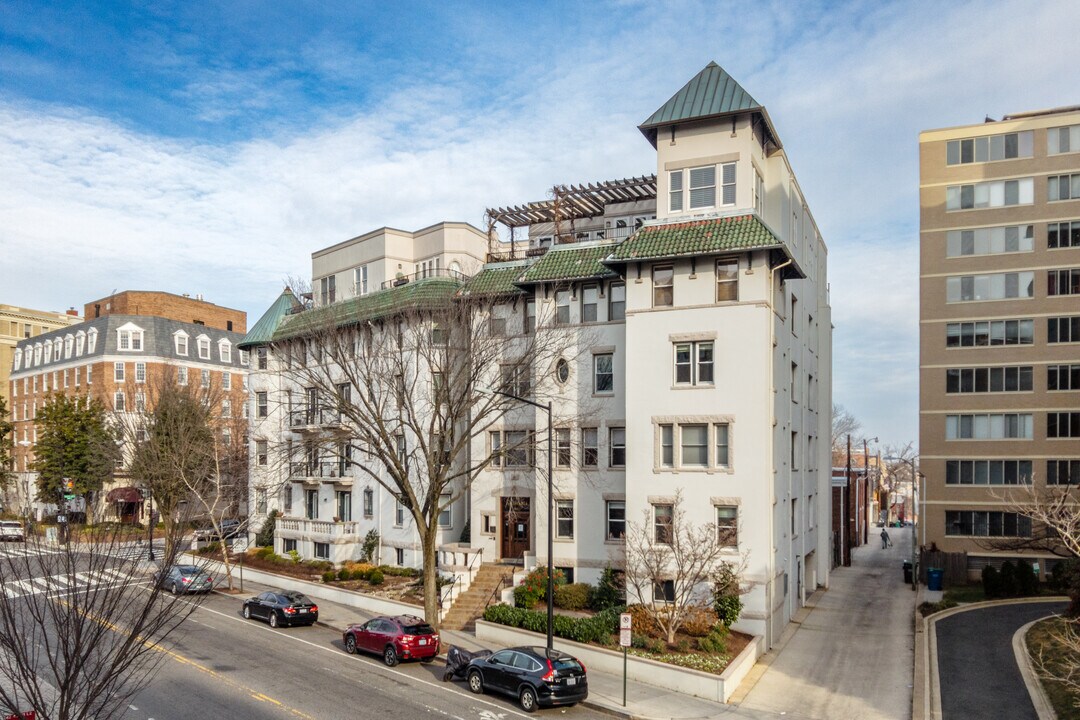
pixel 850 652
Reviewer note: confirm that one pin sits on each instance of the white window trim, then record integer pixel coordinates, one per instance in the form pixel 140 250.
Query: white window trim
pixel 179 336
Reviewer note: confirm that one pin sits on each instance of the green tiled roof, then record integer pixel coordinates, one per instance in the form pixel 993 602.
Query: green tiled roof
pixel 710 93
pixel 698 237
pixel 495 279
pixel 263 330
pixel 570 262
pixel 420 294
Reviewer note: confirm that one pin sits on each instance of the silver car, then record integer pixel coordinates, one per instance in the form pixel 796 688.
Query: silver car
pixel 185 579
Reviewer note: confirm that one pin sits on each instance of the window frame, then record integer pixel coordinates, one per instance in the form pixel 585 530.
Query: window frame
pixel 564 525
pixel 615 448
pixel 727 527
pixel 663 289
pixel 598 358
pixel 610 522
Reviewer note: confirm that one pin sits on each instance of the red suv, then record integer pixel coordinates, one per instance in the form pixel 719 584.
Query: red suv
pixel 404 637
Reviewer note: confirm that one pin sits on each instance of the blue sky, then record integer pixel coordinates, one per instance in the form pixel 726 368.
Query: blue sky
pixel 211 147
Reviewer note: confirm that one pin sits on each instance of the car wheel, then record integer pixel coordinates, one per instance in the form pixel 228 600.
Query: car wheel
pixel 528 699
pixel 350 644
pixel 389 656
pixel 273 619
pixel 175 589
pixel 476 682
pixel 247 612
pixel 448 676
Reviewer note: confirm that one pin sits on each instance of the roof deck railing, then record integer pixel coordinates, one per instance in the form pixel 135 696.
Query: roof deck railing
pixel 402 279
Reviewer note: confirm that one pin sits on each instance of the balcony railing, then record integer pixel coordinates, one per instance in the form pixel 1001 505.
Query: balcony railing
pixel 423 275
pixel 294 526
pixel 306 417
pixel 319 469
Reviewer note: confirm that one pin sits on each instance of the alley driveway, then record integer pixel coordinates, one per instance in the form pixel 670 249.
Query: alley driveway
pixel 977 667
pixel 851 655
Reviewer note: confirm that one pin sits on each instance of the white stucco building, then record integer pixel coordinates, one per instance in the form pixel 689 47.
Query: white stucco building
pixel 693 307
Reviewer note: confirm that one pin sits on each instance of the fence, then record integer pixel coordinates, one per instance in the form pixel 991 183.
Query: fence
pixel 954 564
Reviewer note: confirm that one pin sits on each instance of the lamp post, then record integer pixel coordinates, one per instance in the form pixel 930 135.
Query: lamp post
pixel 150 520
pixel 551 512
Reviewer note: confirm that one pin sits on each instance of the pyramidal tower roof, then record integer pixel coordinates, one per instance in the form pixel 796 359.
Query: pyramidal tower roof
pixel 712 93
pixel 263 330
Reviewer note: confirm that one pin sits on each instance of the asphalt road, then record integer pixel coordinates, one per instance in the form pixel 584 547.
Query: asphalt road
pixel 977 666
pixel 225 666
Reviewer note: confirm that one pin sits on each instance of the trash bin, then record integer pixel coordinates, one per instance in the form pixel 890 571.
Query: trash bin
pixel 935 579
pixel 907 572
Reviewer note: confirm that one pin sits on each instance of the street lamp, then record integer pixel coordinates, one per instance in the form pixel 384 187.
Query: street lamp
pixel 550 532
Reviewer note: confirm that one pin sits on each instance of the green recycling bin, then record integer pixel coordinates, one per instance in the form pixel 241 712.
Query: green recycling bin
pixel 935 579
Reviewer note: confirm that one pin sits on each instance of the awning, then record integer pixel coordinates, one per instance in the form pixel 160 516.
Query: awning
pixel 125 495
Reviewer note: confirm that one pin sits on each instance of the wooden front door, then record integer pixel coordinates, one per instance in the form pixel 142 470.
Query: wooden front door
pixel 516 537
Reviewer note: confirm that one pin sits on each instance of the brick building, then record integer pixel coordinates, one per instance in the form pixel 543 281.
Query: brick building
pixel 128 343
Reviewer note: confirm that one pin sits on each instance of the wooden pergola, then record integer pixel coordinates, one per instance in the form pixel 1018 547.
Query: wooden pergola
pixel 570 202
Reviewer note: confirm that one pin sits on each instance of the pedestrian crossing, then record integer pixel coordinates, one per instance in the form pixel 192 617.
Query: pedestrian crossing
pixel 23 551
pixel 64 583
pixel 118 552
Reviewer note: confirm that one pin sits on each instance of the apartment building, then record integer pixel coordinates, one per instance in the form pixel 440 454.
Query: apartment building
pixel 694 366
pixel 19 323
pixel 128 342
pixel 999 328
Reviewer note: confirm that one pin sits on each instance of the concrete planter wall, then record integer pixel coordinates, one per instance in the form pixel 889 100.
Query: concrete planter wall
pixel 684 680
pixel 377 605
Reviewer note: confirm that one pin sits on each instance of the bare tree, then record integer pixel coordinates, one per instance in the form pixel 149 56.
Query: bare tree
pixel 670 566
pixel 897 461
pixel 397 387
pixel 844 423
pixel 81 629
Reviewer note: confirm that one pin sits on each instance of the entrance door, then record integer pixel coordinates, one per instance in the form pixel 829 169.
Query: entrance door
pixel 515 527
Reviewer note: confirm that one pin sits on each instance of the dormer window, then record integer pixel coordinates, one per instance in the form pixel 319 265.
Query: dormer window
pixel 129 338
pixel 58 349
pixel 225 350
pixel 180 342
pixel 48 351
pixel 69 344
pixel 18 359
pixel 37 353
pixel 80 343
pixel 203 343
pixel 91 340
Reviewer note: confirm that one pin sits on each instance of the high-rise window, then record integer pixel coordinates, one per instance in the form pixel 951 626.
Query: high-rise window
pixel 990 241
pixel 1063 140
pixel 991 286
pixel 994 193
pixel 1063 282
pixel 990 148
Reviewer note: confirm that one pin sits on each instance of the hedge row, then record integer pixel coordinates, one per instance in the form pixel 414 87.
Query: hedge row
pixel 598 629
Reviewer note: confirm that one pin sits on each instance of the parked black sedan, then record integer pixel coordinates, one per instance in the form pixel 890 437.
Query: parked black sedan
pixel 282 607
pixel 534 675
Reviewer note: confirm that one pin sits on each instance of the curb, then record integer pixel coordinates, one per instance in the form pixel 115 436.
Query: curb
pixel 1043 708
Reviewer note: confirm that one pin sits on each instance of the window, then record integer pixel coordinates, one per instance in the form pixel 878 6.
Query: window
pixel 1063 282
pixel 69 344
pixel 1063 377
pixel 759 193
pixel 76 378
pixel 360 280
pixel 1062 424
pixel 260 501
pixel 694 363
pixel 181 375
pixel 402 449
pixel 590 298
pixel 89 374
pixel 140 372
pixel 445 514
pixel 616 519
pixel 562 447
pixel 999 426
pixel 990 241
pixel 989 148
pixel 343 501
pixel 562 370
pixel 667 446
pixel 997 286
pixel 495 448
pixel 399 556
pixel 327 289
pixel 997 193
pixel 369 502
pixel 722 447
pixel 727 525
pixel 91 340
pixel 261 453
pixel 727 279
pixel 226 380
pixel 497 326
pixel 564 519
pixel 989 379
pixel 991 333
pixel 260 404
pixel 140 402
pixel 987 472
pixel 399 514
pixel 66 376
pixel 981 523
pixel 1063 329
pixel 119 401
pixel 794 448
pixel 1063 187
pixel 203 343
pixel 204 378
pixel 180 342
pixel 1063 140
pixel 664 591
pixel 1063 235
pixel 438 334
pixel 118 372
pixel 590 450
pixel 562 307
pixel 616 301
pixel 694 445
pixel 663 519
pixel 675 191
pixel 529 321
pixel 1062 472
pixel 261 358
pixel 311 504
pixel 603 373
pixel 288 545
pixel 515 380
pixel 226 408
pixel 129 338
pixel 617 437
pixel 225 350
pixel 488 524
pixel 663 286
pixel 518 448
pixel 80 343
pixel 244 358
pixel 322 551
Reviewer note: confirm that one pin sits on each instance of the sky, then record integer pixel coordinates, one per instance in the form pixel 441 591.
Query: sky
pixel 209 148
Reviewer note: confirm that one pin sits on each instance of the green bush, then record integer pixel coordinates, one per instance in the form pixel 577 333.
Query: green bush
pixel 265 536
pixel 638 641
pixel 572 597
pixel 1065 578
pixel 728 608
pixel 395 571
pixel 375 577
pixel 656 646
pixel 715 642
pixel 536 622
pixel 360 574
pixel 1027 582
pixel 212 548
pixel 294 556
pixel 1008 579
pixel 329 576
pixel 534 588
pixel 371 544
pixel 264 552
pixel 727 603
pixel 504 615
pixel 343 574
pixel 683 645
pixel 609 591
pixel 991 580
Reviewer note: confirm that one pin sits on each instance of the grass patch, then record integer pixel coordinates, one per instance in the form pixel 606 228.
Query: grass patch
pixel 1040 639
pixel 965 593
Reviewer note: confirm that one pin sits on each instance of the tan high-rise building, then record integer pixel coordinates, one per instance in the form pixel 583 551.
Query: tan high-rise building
pixel 999 359
pixel 19 323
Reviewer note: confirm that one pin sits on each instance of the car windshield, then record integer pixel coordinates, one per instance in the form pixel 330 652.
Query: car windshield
pixel 187 569
pixel 295 597
pixel 420 629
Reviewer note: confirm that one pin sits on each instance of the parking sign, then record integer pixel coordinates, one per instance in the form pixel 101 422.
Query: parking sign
pixel 626 623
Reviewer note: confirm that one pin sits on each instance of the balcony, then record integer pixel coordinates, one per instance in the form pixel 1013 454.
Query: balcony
pixel 308 418
pixel 318 530
pixel 423 275
pixel 308 472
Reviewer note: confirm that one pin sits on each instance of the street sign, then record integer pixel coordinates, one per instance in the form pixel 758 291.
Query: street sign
pixel 61 518
pixel 626 623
